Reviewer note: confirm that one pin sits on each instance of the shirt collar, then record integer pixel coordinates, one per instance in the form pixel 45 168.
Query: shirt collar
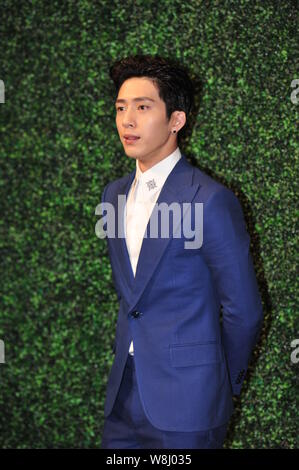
pixel 153 179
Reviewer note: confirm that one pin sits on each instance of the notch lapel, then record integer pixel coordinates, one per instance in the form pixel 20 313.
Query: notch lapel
pixel 177 188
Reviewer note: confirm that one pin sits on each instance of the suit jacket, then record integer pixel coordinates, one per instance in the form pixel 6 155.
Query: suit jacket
pixel 189 359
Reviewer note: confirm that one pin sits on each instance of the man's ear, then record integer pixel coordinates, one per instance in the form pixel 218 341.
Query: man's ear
pixel 178 119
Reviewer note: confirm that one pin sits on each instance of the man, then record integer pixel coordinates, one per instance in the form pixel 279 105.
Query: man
pixel 176 365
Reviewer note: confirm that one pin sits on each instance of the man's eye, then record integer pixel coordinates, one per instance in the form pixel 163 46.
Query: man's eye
pixel 119 108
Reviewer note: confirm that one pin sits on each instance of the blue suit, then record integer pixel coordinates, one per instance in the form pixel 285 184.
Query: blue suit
pixel 188 363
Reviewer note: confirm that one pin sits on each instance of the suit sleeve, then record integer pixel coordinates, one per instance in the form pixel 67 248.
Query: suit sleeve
pixel 226 249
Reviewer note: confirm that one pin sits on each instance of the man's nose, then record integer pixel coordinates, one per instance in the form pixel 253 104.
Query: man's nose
pixel 128 118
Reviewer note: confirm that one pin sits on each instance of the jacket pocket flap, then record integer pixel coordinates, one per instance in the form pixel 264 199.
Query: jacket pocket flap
pixel 196 354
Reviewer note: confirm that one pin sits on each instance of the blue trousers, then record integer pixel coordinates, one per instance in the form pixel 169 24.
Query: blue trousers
pixel 127 426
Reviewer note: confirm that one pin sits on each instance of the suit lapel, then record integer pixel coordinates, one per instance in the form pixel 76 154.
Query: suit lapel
pixel 119 243
pixel 177 188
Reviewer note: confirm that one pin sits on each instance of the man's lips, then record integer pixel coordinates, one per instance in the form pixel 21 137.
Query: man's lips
pixel 129 139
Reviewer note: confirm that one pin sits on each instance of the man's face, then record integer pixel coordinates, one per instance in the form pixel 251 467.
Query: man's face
pixel 146 119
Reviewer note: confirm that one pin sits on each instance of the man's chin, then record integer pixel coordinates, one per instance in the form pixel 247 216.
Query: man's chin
pixel 131 154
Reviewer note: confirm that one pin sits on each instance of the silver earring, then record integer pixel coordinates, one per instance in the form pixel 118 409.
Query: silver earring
pixel 174 131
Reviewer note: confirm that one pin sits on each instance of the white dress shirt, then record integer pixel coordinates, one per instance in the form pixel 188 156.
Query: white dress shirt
pixel 143 194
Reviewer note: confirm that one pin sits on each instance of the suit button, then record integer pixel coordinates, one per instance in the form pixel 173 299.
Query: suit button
pixel 136 314
pixel 240 377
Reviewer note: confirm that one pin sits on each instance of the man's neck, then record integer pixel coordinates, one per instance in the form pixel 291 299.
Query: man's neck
pixel 146 165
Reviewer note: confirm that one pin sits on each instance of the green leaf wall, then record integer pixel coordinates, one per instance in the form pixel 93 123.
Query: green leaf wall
pixel 58 149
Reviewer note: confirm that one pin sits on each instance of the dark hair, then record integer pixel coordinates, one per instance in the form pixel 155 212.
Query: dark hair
pixel 172 80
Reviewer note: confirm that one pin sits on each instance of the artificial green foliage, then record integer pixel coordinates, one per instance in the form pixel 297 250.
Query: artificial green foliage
pixel 58 149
